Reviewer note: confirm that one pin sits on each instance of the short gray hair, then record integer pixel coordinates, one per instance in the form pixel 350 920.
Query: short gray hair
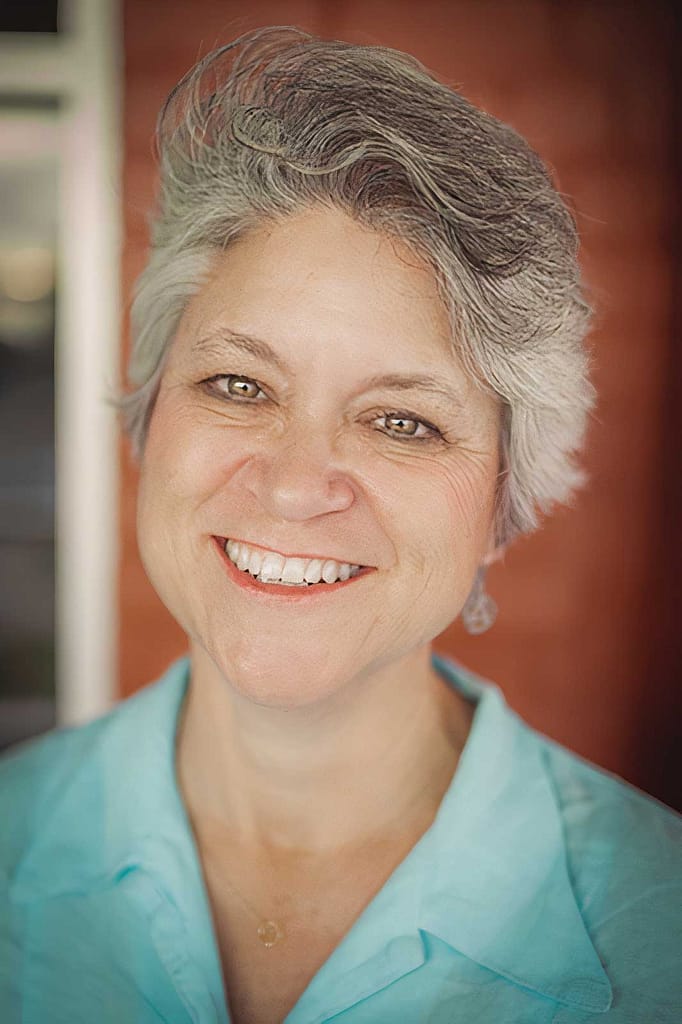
pixel 279 121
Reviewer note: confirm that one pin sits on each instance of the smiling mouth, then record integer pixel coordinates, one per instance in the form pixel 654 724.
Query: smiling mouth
pixel 270 567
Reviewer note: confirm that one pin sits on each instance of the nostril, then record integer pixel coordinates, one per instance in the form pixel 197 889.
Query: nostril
pixel 297 487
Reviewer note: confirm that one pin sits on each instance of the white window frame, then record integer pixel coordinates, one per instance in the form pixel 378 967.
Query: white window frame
pixel 82 68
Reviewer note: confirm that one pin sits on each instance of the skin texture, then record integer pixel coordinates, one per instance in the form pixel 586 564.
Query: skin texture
pixel 315 743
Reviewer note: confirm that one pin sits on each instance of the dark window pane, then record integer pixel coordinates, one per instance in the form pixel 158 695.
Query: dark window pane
pixel 13 102
pixel 28 209
pixel 28 16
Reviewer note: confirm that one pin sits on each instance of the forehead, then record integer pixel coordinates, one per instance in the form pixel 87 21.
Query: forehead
pixel 320 281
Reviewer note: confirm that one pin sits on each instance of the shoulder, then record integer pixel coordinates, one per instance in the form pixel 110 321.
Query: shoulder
pixel 33 776
pixel 624 857
pixel 605 816
pixel 55 789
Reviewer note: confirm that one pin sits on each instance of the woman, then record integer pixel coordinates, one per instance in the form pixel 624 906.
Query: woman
pixel 357 375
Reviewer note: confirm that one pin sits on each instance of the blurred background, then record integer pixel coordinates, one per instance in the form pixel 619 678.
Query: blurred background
pixel 588 643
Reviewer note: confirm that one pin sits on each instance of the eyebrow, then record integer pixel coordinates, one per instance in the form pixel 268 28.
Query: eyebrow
pixel 218 341
pixel 419 382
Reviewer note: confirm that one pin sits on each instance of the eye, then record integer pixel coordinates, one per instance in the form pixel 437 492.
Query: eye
pixel 232 385
pixel 405 425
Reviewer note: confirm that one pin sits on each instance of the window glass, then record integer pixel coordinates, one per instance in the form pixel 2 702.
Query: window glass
pixel 29 16
pixel 28 208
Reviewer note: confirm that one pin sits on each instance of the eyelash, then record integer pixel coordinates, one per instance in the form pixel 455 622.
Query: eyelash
pixel 433 432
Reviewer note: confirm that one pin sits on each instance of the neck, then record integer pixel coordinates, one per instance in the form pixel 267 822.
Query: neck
pixel 372 760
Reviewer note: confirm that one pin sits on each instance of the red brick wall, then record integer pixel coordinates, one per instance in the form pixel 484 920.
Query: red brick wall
pixel 582 646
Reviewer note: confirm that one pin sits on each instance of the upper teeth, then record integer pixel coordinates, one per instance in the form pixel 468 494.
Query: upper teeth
pixel 271 567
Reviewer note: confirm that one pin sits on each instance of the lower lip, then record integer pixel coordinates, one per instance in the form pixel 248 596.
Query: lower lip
pixel 247 582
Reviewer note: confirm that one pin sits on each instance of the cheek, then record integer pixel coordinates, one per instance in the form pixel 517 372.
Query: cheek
pixel 469 497
pixel 442 510
pixel 455 532
pixel 173 475
pixel 185 460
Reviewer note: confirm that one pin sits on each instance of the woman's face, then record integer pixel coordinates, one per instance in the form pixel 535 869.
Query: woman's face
pixel 312 407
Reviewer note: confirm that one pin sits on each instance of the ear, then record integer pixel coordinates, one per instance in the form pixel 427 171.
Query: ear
pixel 494 555
pixel 494 552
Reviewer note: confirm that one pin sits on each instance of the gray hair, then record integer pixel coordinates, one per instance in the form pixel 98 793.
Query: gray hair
pixel 280 121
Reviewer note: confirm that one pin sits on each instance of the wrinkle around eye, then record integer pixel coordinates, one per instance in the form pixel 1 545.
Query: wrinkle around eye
pixel 446 440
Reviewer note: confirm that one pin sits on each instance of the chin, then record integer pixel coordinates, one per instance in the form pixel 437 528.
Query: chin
pixel 277 678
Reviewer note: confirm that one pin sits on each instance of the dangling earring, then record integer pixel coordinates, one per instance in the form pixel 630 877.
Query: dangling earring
pixel 479 611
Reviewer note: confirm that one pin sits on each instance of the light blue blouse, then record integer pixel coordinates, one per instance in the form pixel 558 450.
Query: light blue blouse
pixel 545 890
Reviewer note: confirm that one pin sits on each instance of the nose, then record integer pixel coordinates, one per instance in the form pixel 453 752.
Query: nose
pixel 298 477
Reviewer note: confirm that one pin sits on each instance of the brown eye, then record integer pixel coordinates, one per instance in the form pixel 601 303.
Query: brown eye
pixel 402 425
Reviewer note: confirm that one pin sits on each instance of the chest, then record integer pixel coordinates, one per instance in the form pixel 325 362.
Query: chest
pixel 264 982
pixel 268 966
pixel 315 902
pixel 262 988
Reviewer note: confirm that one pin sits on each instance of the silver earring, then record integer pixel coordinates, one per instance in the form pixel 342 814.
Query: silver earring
pixel 479 611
